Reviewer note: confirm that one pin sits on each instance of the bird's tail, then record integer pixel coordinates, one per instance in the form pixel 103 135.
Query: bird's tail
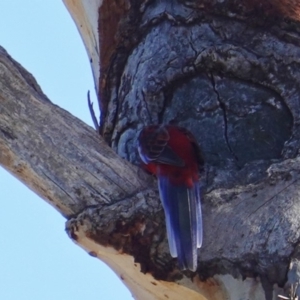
pixel 183 219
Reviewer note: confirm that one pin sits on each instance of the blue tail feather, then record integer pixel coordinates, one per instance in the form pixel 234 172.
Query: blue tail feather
pixel 199 215
pixel 183 221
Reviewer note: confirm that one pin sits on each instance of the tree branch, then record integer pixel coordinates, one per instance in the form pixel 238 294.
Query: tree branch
pixel 85 16
pixel 66 163
pixel 55 154
pixel 251 224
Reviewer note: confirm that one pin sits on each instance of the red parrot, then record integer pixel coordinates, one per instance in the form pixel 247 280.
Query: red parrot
pixel 172 154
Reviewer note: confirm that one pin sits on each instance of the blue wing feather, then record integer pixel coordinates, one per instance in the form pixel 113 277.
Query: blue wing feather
pixel 183 221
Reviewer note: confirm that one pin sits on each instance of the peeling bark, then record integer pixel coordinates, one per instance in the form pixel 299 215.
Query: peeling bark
pixel 229 73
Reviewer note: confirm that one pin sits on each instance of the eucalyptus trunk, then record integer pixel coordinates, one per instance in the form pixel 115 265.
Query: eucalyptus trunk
pixel 226 70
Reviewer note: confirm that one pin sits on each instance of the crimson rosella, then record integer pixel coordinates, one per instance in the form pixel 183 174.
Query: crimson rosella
pixel 172 154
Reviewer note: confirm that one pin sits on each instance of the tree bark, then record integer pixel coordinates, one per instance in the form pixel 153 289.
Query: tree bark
pixel 67 164
pixel 228 71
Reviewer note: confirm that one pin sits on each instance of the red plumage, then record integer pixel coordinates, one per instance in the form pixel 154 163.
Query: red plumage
pixel 171 153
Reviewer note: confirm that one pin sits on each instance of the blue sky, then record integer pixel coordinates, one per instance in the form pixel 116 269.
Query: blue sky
pixel 37 259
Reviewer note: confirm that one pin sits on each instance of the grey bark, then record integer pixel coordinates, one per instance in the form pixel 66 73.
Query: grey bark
pixel 232 77
pixel 233 80
pixel 57 155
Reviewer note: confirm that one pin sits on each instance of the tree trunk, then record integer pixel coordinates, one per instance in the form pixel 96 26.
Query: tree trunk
pixel 228 71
